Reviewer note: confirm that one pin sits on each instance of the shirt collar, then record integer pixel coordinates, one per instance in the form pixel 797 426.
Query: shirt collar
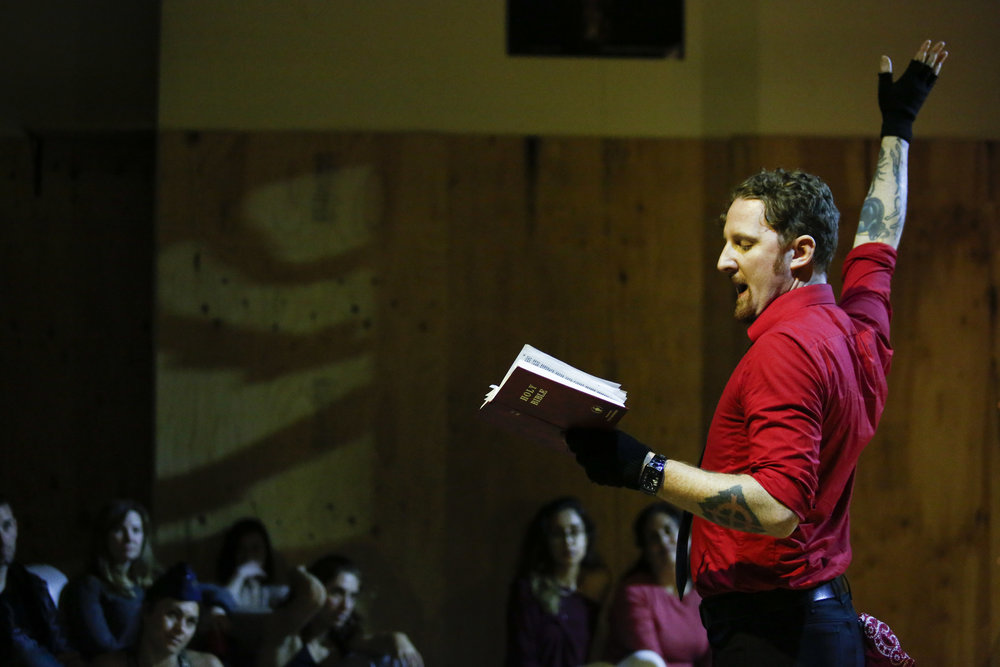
pixel 789 302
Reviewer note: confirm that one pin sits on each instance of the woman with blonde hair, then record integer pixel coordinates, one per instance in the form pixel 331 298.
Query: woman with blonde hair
pixel 102 607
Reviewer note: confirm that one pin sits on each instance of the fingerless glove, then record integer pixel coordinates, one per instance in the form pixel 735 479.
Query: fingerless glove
pixel 610 457
pixel 901 100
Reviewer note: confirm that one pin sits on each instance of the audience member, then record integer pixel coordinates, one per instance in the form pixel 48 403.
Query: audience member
pixel 101 607
pixel 646 613
pixel 334 635
pixel 247 569
pixel 338 629
pixel 279 636
pixel 169 618
pixel 556 597
pixel 30 634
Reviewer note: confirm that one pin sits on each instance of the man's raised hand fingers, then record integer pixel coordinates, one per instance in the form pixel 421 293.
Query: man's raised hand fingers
pixel 939 55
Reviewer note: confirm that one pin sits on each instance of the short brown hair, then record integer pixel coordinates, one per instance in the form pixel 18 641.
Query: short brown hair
pixel 795 204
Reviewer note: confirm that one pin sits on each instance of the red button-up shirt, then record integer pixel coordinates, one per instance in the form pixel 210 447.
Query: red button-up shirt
pixel 796 413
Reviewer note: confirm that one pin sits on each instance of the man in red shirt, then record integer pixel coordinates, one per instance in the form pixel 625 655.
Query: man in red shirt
pixel 770 500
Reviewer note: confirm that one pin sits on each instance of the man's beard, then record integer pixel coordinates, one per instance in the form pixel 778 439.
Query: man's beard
pixel 744 310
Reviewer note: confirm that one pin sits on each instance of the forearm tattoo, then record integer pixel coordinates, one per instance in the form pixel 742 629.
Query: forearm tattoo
pixel 875 222
pixel 730 509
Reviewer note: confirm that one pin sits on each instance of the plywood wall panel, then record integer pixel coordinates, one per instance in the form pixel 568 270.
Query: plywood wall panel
pixel 930 475
pixel 988 639
pixel 410 475
pixel 76 212
pixel 266 342
pixel 533 245
pixel 656 217
pixel 494 312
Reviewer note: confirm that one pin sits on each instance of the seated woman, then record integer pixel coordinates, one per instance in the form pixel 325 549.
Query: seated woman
pixel 646 614
pixel 247 568
pixel 556 597
pixel 101 608
pixel 169 619
pixel 251 638
pixel 334 636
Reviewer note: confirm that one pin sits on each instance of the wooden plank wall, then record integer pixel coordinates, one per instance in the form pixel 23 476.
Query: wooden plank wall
pixel 332 308
pixel 76 298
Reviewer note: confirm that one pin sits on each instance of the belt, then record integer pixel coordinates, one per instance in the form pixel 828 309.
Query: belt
pixel 734 605
pixel 831 589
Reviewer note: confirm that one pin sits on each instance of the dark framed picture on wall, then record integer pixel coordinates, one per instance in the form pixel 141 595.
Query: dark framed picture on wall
pixel 596 28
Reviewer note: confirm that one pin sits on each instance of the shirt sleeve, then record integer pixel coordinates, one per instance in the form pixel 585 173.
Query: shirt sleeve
pixel 24 650
pixel 868 271
pixel 784 398
pixel 214 595
pixel 85 618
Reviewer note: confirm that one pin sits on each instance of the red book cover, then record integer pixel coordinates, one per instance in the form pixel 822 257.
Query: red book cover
pixel 540 397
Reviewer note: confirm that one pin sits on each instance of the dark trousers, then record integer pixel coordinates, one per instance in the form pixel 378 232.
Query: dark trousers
pixel 783 628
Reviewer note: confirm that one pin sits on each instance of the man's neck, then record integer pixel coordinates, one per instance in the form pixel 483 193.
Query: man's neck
pixel 3 578
pixel 811 279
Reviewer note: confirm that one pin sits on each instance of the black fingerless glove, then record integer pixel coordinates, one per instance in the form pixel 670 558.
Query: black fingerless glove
pixel 610 457
pixel 900 101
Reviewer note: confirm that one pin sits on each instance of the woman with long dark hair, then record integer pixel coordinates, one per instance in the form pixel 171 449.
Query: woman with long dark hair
pixel 246 566
pixel 323 626
pixel 558 591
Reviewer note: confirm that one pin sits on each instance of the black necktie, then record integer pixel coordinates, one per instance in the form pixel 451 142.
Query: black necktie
pixel 683 571
pixel 682 562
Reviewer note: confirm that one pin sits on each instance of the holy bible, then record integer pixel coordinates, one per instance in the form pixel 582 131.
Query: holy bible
pixel 541 397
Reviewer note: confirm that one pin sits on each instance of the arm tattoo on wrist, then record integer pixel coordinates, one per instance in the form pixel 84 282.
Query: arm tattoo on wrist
pixel 730 509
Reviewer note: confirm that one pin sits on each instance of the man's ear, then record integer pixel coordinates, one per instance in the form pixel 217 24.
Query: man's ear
pixel 803 251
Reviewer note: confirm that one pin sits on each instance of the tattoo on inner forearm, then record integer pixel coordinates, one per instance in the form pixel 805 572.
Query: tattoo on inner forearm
pixel 896 155
pixel 872 219
pixel 875 222
pixel 730 509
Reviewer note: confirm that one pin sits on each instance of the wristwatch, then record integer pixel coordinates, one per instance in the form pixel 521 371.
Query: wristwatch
pixel 651 478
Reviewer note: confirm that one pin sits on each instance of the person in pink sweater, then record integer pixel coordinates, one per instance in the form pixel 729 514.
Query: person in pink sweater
pixel 646 613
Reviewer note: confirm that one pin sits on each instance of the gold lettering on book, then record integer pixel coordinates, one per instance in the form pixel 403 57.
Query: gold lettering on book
pixel 533 394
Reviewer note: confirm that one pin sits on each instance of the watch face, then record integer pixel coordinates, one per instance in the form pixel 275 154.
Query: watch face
pixel 651 478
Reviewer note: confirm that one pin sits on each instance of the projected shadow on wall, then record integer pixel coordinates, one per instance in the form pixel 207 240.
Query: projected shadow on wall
pixel 265 362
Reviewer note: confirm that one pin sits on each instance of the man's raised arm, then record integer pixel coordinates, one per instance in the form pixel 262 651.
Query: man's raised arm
pixel 884 210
